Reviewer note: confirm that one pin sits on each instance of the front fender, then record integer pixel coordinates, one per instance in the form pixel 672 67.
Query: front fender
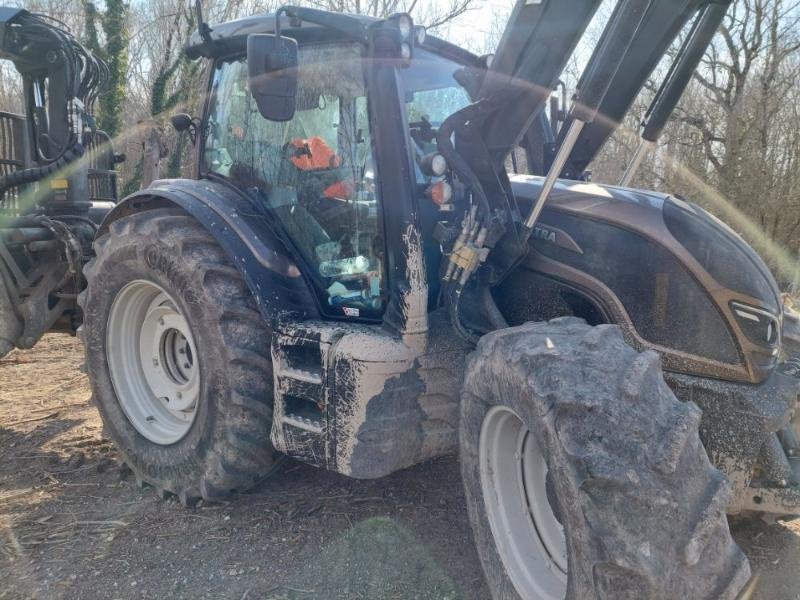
pixel 244 234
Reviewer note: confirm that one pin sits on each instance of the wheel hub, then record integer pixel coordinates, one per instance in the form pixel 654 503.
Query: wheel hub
pixel 167 356
pixel 514 479
pixel 153 362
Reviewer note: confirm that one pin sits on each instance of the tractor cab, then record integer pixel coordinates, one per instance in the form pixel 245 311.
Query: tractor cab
pixel 355 105
pixel 317 174
pixel 336 150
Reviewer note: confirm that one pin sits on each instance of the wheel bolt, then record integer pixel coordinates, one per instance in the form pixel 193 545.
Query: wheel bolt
pixel 180 395
pixel 161 321
pixel 155 362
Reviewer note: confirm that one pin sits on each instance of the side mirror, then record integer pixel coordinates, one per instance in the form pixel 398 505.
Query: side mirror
pixel 181 121
pixel 184 122
pixel 272 74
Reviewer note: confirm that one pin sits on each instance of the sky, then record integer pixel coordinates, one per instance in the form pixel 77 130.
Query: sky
pixel 479 29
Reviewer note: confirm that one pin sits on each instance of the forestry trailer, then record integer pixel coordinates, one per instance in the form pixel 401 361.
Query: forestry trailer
pixel 353 278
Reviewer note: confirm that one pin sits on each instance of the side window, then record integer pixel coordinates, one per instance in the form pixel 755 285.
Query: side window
pixel 314 173
pixel 431 95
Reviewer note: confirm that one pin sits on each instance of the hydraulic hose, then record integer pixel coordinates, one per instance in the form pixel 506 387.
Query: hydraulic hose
pixel 34 174
pixel 453 301
pixel 44 46
pixel 458 164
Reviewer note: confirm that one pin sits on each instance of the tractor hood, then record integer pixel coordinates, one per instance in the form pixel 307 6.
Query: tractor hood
pixel 684 282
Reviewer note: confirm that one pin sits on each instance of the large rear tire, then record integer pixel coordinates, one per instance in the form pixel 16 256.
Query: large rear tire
pixel 585 477
pixel 178 357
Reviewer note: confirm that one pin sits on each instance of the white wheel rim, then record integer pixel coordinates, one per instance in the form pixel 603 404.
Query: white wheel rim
pixel 152 359
pixel 527 534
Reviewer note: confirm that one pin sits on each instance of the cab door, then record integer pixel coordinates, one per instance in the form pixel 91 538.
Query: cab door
pixel 313 175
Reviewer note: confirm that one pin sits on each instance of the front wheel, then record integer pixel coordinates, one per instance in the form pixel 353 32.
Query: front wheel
pixel 585 477
pixel 178 357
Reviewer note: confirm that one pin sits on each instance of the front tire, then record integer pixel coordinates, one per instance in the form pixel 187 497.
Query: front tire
pixel 178 357
pixel 585 477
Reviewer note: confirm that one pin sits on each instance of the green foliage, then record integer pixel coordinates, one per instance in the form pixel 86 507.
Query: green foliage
pixel 92 35
pixel 134 182
pixel 159 99
pixel 114 50
pixel 175 164
pixel 183 73
pixel 177 76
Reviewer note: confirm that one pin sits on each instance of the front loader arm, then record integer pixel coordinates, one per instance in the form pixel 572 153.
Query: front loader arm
pixel 662 23
pixel 514 91
pixel 537 43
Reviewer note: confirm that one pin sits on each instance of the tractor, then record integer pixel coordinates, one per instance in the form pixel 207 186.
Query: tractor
pixel 391 250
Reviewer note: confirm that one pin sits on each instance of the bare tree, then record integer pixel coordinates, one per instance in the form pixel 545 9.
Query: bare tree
pixel 431 13
pixel 162 79
pixel 747 126
pixel 734 142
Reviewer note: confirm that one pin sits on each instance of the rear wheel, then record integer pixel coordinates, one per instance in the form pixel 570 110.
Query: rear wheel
pixel 178 357
pixel 151 360
pixel 585 477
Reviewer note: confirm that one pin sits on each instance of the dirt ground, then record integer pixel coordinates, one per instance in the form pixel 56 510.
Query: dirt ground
pixel 74 525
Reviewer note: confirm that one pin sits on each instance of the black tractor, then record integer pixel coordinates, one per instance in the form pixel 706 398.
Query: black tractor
pixel 390 250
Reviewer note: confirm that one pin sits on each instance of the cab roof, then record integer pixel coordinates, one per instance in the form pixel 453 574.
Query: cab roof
pixel 231 36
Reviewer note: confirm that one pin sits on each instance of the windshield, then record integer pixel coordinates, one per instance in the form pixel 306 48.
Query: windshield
pixel 431 95
pixel 313 173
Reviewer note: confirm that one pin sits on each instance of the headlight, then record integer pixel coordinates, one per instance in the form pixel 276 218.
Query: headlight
pixel 760 326
pixel 405 25
pixel 433 165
